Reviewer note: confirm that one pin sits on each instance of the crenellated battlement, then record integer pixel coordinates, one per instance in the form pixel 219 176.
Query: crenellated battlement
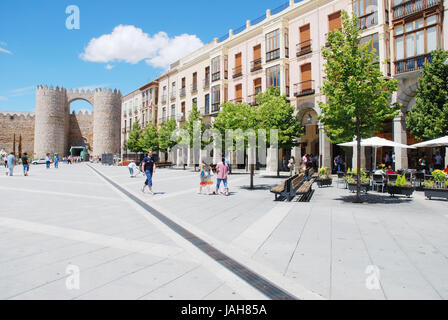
pixel 14 115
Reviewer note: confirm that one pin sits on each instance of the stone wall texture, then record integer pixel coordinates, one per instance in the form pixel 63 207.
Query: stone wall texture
pixel 81 130
pixel 19 124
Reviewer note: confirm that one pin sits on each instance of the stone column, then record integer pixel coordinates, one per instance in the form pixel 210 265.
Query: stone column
pixel 446 157
pixel 272 161
pixel 401 154
pixel 325 148
pixel 296 152
pixel 363 157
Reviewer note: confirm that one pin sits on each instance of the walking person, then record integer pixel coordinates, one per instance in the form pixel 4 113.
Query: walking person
pixel 222 170
pixel 206 178
pixel 56 161
pixel 25 164
pixel 291 165
pixel 148 169
pixel 11 161
pixel 48 161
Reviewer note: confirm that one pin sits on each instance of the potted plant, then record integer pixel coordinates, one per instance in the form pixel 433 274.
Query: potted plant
pixel 437 188
pixel 351 181
pixel 325 178
pixel 400 186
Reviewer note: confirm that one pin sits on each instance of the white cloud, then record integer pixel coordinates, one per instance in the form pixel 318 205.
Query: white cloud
pixel 5 51
pixel 22 91
pixel 109 67
pixel 130 44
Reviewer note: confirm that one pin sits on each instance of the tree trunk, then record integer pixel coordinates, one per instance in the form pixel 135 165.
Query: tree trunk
pixel 358 163
pixel 14 144
pixel 251 176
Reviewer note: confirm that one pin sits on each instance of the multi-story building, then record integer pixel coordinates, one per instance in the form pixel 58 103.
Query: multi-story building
pixel 139 106
pixel 283 47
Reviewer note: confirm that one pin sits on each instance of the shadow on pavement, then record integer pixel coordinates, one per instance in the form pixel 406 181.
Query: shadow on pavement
pixel 373 198
pixel 258 187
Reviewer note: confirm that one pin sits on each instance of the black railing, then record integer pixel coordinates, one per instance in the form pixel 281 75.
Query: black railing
pixel 304 88
pixel 173 94
pixel 207 110
pixel 413 6
pixel 215 107
pixel 256 65
pixel 216 76
pixel 164 98
pixel 273 55
pixel 411 64
pixel 303 48
pixel 182 92
pixel 194 88
pixel 206 83
pixel 252 100
pixel 237 72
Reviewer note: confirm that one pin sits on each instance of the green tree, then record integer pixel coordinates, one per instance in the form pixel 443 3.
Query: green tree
pixel 164 134
pixel 188 126
pixel 358 95
pixel 275 112
pixel 149 140
pixel 134 136
pixel 428 119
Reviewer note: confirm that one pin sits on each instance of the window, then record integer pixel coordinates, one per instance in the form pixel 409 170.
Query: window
pixel 287 79
pixel 216 98
pixel 173 90
pixel 273 45
pixel 334 21
pixel 207 77
pixel 238 71
pixel 305 39
pixel 257 86
pixel 216 66
pixel 207 103
pixel 416 38
pixel 366 11
pixel 286 43
pixel 273 77
pixel 374 44
pixel 173 111
pixel 163 114
pixel 239 93
pixel 195 82
pixel 256 64
pixel 195 101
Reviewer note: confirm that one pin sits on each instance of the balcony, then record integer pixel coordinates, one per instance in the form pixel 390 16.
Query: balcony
pixel 173 95
pixel 237 72
pixel 410 7
pixel 272 55
pixel 304 88
pixel 216 76
pixel 194 88
pixel 206 83
pixel 164 99
pixel 215 107
pixel 182 92
pixel 411 64
pixel 303 48
pixel 256 65
pixel 252 100
pixel 237 100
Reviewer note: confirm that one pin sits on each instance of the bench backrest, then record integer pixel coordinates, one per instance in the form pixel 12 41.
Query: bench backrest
pixel 297 181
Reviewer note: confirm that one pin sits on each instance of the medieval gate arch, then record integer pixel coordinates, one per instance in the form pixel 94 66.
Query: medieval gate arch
pixel 52 119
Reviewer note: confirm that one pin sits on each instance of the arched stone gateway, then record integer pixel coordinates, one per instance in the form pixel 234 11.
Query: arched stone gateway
pixel 52 122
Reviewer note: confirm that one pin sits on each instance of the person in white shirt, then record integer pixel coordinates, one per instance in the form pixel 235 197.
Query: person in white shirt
pixel 132 166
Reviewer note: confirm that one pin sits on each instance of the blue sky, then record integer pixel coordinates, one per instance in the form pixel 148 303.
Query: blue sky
pixel 37 48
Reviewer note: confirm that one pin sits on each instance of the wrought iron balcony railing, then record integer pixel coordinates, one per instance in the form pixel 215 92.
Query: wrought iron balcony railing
pixel 237 72
pixel 206 83
pixel 304 88
pixel 182 92
pixel 410 7
pixel 194 88
pixel 256 65
pixel 252 100
pixel 273 55
pixel 216 76
pixel 303 48
pixel 215 107
pixel 164 98
pixel 411 64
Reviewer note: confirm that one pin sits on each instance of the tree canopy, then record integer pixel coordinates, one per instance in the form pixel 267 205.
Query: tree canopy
pixel 134 136
pixel 428 118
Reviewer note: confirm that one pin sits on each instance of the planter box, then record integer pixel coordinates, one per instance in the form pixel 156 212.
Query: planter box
pixel 324 182
pixel 364 187
pixel 405 191
pixel 436 193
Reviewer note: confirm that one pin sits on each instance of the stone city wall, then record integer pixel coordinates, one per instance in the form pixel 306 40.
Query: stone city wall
pixel 20 123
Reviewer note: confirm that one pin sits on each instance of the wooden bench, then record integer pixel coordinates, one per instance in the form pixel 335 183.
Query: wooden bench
pixel 305 189
pixel 288 188
pixel 164 164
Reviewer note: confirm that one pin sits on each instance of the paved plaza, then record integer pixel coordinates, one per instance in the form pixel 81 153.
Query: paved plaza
pixel 72 234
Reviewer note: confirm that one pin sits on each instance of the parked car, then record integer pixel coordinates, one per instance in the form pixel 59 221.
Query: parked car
pixel 40 161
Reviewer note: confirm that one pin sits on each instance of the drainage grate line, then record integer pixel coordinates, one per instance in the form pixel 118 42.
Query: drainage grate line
pixel 263 285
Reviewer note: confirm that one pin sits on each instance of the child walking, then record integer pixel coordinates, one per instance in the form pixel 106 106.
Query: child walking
pixel 206 178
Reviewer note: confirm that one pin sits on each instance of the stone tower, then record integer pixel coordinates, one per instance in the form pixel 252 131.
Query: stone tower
pixel 52 119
